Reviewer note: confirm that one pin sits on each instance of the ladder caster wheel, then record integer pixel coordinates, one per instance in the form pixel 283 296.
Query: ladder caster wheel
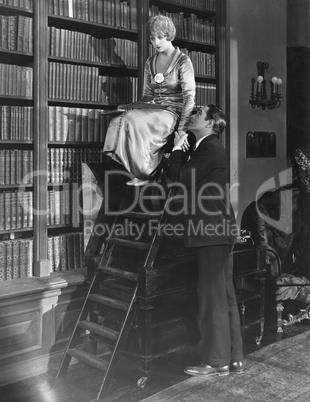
pixel 258 340
pixel 141 383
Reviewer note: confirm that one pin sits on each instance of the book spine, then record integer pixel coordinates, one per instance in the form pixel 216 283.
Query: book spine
pixel 56 250
pixel 2 261
pixel 7 210
pixel 16 259
pixel 50 253
pixel 30 257
pixel 63 252
pixel 2 214
pixel 14 210
pixel 70 251
pixel 9 260
pixel 23 258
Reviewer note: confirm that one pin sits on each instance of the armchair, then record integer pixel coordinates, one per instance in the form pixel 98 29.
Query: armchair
pixel 279 221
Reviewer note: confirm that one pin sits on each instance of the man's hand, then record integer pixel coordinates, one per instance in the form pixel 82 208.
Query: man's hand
pixel 180 141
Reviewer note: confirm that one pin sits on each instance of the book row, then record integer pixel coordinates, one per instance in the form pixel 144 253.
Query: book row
pixel 117 13
pixel 16 33
pixel 65 252
pixel 81 46
pixel 26 4
pixel 208 5
pixel 16 259
pixel 82 83
pixel 205 94
pixel 16 210
pixel 16 123
pixel 16 80
pixel 64 164
pixel 16 166
pixel 203 63
pixel 63 207
pixel 71 124
pixel 190 28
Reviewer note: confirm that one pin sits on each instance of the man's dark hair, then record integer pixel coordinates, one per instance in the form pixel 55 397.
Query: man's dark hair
pixel 216 114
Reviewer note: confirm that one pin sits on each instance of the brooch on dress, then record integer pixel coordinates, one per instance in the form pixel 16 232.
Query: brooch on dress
pixel 159 78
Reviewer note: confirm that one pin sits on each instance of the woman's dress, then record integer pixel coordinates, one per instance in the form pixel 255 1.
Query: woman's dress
pixel 137 137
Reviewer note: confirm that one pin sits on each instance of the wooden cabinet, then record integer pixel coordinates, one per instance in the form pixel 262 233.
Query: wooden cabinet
pixel 37 317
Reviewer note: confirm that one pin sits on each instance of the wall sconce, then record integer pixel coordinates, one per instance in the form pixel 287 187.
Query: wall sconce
pixel 260 98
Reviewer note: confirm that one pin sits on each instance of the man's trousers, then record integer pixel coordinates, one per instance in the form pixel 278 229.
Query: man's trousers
pixel 217 307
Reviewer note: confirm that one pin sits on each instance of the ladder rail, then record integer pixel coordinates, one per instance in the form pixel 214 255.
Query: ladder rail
pixel 120 342
pixel 63 364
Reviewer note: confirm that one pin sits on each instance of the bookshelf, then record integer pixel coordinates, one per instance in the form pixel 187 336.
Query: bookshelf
pixel 63 64
pixel 16 138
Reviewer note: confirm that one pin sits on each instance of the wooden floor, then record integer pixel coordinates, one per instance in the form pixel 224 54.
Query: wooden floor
pixel 81 383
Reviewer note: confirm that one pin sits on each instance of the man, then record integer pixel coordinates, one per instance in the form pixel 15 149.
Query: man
pixel 211 227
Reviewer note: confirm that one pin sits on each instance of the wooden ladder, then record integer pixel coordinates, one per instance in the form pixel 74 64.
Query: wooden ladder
pixel 113 293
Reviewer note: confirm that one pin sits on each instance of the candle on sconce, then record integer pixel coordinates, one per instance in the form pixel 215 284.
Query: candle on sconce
pixel 264 98
pixel 279 82
pixel 274 81
pixel 259 80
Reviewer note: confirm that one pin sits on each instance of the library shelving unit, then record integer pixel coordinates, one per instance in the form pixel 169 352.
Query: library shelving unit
pixel 16 137
pixel 64 63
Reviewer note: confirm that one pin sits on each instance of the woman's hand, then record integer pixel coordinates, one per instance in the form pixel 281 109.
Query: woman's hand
pixel 181 141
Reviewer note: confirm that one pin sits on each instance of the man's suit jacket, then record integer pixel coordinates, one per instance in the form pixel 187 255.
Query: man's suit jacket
pixel 209 217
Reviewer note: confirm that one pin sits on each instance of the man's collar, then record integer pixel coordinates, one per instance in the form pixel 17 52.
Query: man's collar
pixel 199 141
pixel 209 136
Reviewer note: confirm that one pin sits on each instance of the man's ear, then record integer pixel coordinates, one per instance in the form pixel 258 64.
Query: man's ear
pixel 210 123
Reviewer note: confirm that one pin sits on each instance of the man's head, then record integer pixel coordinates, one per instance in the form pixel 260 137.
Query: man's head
pixel 208 120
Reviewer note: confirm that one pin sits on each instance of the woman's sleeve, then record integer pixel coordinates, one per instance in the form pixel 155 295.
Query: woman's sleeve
pixel 188 85
pixel 147 94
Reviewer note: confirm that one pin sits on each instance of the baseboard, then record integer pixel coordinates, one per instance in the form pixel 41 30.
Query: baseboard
pixel 23 370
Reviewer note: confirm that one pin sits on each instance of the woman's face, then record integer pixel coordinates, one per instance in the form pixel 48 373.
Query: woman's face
pixel 160 41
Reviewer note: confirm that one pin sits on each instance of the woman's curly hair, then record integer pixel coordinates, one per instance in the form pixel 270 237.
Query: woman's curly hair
pixel 163 24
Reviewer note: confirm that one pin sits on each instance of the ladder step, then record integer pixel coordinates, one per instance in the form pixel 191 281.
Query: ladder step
pixel 99 330
pixel 116 291
pixel 89 359
pixel 130 243
pixel 119 273
pixel 114 284
pixel 108 301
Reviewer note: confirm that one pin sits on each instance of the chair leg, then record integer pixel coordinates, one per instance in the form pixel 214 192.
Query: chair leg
pixel 262 286
pixel 242 318
pixel 280 309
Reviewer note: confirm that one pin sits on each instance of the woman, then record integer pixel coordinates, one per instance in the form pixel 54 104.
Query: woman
pixel 138 136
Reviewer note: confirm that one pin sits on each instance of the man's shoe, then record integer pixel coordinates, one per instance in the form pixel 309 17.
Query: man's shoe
pixel 206 370
pixel 236 367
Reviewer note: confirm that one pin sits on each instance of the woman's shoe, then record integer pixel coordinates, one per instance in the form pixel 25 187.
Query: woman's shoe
pixel 137 182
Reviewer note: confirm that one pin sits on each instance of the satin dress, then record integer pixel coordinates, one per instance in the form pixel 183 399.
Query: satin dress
pixel 137 137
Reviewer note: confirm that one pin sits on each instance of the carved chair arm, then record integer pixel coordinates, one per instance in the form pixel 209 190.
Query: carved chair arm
pixel 268 252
